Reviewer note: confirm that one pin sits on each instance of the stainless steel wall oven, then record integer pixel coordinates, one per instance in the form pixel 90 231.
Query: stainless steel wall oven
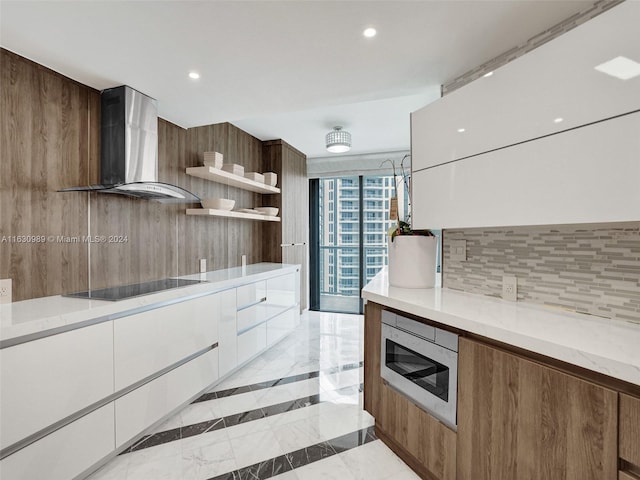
pixel 421 362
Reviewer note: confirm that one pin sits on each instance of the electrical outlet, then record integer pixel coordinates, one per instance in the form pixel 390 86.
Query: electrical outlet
pixel 510 288
pixel 458 250
pixel 203 265
pixel 5 290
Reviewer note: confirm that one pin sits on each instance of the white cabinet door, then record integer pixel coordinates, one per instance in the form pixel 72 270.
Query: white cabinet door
pixel 588 175
pixel 252 342
pixel 148 342
pixel 49 379
pixel 65 453
pixel 144 406
pixel 227 342
pixel 250 294
pixel 523 99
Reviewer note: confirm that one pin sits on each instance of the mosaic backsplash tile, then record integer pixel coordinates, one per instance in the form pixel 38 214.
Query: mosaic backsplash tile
pixel 589 269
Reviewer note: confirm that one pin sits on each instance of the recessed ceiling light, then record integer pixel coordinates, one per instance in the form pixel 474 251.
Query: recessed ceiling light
pixel 369 32
pixel 488 74
pixel 460 130
pixel 620 67
pixel 194 75
pixel 558 120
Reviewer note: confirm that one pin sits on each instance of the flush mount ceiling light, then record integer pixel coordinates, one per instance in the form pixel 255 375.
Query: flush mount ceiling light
pixel 194 75
pixel 369 32
pixel 620 67
pixel 558 120
pixel 461 130
pixel 488 74
pixel 338 141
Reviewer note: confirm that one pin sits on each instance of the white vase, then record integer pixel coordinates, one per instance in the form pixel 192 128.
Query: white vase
pixel 412 261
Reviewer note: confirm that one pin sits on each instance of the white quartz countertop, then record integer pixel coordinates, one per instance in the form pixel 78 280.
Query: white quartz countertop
pixel 31 319
pixel 610 347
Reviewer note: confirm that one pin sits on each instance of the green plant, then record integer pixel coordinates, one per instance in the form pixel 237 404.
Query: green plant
pixel 403 227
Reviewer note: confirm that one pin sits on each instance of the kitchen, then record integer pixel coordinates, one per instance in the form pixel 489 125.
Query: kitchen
pixel 52 141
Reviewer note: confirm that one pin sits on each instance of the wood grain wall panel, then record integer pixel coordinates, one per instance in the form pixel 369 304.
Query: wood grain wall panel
pixel 51 140
pixel 291 167
pixel 47 127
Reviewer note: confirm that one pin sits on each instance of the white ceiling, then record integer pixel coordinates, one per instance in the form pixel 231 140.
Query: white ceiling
pixel 278 69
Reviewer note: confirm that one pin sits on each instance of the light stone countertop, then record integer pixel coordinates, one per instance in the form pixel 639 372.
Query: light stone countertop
pixel 31 319
pixel 610 347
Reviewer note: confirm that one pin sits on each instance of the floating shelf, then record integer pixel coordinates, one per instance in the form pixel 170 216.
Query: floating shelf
pixel 220 176
pixel 231 214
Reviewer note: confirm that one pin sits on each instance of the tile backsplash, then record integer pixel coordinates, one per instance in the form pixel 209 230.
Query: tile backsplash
pixel 591 269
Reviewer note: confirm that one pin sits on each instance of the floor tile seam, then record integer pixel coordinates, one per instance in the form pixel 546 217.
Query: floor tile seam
pixel 369 435
pixel 207 425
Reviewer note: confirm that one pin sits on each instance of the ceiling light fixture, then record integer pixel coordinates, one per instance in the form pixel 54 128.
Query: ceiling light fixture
pixel 558 120
pixel 369 32
pixel 194 75
pixel 338 141
pixel 488 74
pixel 460 130
pixel 620 67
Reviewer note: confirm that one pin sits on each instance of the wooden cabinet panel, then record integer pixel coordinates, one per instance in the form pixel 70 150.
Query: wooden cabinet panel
pixel 421 440
pixel 629 428
pixel 519 419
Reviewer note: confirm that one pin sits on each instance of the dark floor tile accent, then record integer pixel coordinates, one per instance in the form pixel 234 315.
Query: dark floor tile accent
pixel 299 458
pixel 353 439
pixel 278 381
pixel 280 408
pixel 237 418
pixel 311 454
pixel 202 427
pixel 158 439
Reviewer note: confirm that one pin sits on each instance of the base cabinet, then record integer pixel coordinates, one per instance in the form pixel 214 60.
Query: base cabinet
pixel 522 420
pixel 422 441
pixel 65 453
pixel 144 406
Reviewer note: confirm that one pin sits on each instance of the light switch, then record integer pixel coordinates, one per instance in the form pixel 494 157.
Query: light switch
pixel 458 250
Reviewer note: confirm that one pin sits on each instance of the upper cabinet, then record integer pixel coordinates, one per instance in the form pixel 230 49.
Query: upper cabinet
pixel 553 88
pixel 546 139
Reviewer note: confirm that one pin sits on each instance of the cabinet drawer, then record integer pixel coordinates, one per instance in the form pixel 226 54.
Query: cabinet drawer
pixel 252 342
pixel 251 316
pixel 146 405
pixel 629 429
pixel 249 294
pixel 281 325
pixel 65 453
pixel 49 379
pixel 150 341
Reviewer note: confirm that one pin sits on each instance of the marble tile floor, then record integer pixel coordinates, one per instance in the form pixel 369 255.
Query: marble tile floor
pixel 293 413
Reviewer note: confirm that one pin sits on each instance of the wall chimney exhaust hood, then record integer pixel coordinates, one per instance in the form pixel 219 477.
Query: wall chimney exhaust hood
pixel 129 149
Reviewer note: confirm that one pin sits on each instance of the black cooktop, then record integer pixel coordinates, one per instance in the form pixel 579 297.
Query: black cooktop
pixel 134 290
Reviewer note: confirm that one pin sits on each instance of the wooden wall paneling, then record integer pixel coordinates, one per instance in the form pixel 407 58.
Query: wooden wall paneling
pixel 520 419
pixel 46 130
pixel 293 201
pixel 372 339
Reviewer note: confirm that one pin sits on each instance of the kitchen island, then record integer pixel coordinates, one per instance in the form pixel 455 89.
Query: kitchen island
pixel 84 379
pixel 542 393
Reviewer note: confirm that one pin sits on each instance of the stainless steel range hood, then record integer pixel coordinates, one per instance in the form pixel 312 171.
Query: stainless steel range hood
pixel 129 149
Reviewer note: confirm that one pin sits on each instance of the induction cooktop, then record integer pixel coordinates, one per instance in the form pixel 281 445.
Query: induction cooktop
pixel 134 290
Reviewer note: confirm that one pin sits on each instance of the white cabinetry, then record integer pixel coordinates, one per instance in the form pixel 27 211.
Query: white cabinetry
pixel 587 175
pixel 49 379
pixel 148 342
pixel 227 345
pixel 149 403
pixel 251 342
pixel 65 453
pixel 539 144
